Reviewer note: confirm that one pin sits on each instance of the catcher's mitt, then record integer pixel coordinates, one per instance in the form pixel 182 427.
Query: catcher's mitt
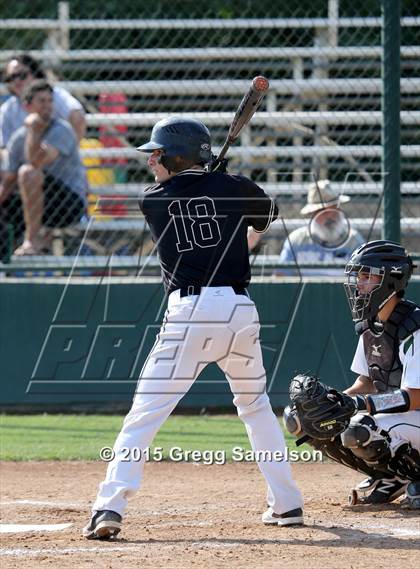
pixel 323 412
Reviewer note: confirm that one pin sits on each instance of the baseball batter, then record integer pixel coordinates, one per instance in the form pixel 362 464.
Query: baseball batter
pixel 199 221
pixel 377 431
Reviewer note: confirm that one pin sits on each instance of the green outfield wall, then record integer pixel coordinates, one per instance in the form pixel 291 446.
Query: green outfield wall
pixel 83 344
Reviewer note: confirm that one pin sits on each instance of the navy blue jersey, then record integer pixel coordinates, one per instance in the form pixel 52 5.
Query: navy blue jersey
pixel 199 222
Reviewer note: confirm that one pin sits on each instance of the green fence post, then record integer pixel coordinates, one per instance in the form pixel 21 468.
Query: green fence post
pixel 391 162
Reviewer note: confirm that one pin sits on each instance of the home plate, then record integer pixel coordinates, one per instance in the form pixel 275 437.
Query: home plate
pixel 20 528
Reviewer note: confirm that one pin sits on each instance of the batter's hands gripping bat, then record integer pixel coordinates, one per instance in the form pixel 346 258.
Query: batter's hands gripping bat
pixel 243 115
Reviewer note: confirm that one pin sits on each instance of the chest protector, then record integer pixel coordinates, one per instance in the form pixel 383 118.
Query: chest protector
pixel 382 349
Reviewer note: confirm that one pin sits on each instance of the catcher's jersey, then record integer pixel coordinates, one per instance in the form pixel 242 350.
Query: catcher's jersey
pixel 199 222
pixel 409 354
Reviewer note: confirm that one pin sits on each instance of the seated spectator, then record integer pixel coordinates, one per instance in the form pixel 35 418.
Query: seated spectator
pixel 327 238
pixel 18 74
pixel 43 158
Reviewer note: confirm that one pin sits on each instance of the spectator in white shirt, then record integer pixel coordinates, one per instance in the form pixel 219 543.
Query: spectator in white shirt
pixel 19 72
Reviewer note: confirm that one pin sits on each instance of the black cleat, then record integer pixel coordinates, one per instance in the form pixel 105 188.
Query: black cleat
pixel 382 491
pixel 104 524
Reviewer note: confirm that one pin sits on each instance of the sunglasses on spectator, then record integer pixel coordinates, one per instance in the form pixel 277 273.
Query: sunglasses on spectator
pixel 22 75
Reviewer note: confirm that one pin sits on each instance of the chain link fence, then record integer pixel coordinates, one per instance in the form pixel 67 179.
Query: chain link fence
pixel 130 64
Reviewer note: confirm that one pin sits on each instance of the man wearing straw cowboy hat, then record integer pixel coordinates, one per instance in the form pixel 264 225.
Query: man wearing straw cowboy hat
pixel 327 238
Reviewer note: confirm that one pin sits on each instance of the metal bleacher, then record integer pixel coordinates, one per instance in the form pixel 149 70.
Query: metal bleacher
pixel 313 121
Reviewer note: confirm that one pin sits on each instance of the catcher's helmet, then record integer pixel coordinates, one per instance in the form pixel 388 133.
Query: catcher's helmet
pixel 180 137
pixel 386 269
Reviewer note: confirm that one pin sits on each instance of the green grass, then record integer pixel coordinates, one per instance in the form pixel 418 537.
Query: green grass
pixel 80 437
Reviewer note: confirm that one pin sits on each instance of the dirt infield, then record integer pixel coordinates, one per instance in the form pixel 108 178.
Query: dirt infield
pixel 201 516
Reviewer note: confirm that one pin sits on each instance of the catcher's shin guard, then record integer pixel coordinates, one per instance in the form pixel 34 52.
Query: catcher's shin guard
pixel 372 444
pixel 367 440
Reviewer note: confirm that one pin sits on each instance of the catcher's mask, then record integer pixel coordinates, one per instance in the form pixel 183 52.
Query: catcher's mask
pixel 183 142
pixel 376 272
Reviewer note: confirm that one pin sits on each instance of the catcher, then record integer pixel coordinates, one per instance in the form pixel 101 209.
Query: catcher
pixel 374 426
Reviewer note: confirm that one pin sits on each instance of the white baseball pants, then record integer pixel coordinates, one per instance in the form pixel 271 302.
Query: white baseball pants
pixel 401 427
pixel 216 326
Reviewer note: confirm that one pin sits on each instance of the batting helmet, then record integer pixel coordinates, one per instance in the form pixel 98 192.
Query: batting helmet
pixel 180 137
pixel 391 267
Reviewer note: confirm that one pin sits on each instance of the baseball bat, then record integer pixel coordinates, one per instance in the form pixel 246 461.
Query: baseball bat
pixel 243 115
